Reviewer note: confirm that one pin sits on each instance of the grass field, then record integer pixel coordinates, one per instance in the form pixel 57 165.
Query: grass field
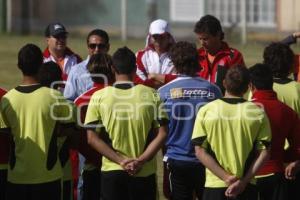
pixel 10 45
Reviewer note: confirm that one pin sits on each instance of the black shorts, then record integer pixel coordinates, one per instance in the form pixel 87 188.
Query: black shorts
pixel 250 193
pixel 294 188
pixel 116 185
pixel 272 187
pixel 44 191
pixel 186 179
pixel 91 184
pixel 3 182
pixel 67 190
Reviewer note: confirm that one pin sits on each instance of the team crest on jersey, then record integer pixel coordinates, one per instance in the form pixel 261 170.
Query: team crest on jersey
pixel 176 93
pixel 191 93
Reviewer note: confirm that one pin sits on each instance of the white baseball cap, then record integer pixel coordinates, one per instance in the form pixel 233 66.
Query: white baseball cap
pixel 159 26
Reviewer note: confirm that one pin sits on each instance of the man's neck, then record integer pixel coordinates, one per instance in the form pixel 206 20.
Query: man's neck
pixel 29 80
pixel 214 51
pixel 160 51
pixel 57 54
pixel 123 78
pixel 229 95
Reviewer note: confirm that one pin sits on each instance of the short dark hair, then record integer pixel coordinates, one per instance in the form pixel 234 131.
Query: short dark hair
pixel 280 58
pixel 49 73
pixel 99 32
pixel 184 56
pixel 101 64
pixel 124 61
pixel 209 24
pixel 237 80
pixel 261 76
pixel 30 59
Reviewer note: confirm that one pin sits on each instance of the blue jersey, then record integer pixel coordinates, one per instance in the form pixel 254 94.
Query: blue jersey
pixel 183 97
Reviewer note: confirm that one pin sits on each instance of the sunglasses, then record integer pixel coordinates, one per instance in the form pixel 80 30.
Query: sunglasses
pixel 100 46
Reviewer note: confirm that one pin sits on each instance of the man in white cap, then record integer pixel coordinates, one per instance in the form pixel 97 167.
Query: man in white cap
pixel 154 59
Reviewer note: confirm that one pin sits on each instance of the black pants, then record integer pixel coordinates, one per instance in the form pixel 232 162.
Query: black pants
pixel 250 193
pixel 118 185
pixel 272 187
pixel 67 190
pixel 294 188
pixel 91 184
pixel 3 182
pixel 186 179
pixel 44 191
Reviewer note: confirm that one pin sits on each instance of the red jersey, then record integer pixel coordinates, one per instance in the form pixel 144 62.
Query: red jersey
pixel 91 155
pixel 4 141
pixel 285 124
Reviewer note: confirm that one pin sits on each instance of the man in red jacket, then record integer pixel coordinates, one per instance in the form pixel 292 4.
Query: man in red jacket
pixel 215 56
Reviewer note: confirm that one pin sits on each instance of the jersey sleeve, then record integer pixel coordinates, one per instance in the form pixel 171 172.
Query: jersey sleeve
pixel 3 122
pixel 199 135
pixel 93 114
pixel 294 136
pixel 64 111
pixel 264 136
pixel 162 116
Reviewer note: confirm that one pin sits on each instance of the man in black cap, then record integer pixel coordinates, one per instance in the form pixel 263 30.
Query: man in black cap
pixel 57 50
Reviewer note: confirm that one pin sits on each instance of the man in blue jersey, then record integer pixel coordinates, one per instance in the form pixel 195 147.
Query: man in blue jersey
pixel 183 97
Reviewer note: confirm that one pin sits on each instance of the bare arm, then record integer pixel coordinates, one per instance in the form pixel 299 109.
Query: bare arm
pixel 292 169
pixel 135 166
pixel 157 77
pixel 239 186
pixel 155 145
pixel 100 146
pixel 209 162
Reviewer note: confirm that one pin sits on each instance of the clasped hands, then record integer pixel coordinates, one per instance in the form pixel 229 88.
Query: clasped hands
pixel 132 166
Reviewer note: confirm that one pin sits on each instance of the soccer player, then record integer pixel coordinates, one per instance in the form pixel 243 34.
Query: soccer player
pixel 50 75
pixel 34 114
pixel 280 58
pixel 100 68
pixel 285 124
pixel 228 134
pixel 133 119
pixel 4 152
pixel 182 98
pixel 57 50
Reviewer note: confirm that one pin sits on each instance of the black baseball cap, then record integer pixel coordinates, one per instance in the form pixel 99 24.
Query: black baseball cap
pixel 54 29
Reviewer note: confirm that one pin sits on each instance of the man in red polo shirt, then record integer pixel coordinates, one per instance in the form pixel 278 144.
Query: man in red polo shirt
pixel 4 151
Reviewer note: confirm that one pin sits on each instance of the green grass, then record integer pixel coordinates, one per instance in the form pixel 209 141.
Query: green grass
pixel 10 45
pixel 11 76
